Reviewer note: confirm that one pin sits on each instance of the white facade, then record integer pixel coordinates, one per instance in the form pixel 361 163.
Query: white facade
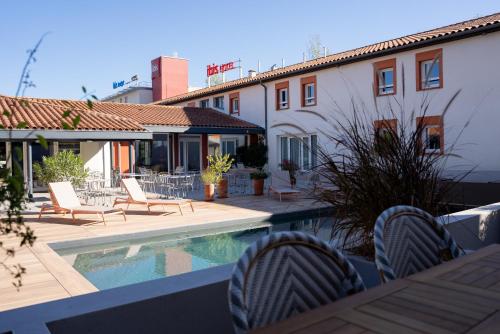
pixel 470 66
pixel 97 157
pixel 135 95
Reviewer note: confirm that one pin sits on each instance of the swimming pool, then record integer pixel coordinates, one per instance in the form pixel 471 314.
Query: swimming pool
pixel 115 264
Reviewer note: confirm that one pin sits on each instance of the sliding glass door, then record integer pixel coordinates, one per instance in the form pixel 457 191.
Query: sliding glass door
pixel 190 153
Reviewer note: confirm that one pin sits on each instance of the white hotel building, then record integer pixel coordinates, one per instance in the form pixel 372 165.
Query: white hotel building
pixel 460 57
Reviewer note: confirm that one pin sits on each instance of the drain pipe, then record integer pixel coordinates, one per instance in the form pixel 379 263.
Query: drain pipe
pixel 265 118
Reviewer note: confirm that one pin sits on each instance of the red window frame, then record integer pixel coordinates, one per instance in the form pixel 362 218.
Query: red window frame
pixel 233 96
pixel 382 65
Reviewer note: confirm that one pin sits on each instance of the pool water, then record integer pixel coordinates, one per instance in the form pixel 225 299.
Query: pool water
pixel 121 263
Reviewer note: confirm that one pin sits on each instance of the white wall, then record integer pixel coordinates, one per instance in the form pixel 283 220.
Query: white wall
pixel 469 65
pixel 137 96
pixel 97 157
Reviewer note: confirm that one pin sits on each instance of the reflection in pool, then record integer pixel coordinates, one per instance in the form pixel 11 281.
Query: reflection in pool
pixel 122 263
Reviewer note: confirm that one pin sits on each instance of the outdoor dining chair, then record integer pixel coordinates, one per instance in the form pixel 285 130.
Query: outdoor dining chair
pixel 287 273
pixel 409 240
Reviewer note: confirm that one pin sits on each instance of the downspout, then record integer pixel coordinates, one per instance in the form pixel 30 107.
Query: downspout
pixel 265 118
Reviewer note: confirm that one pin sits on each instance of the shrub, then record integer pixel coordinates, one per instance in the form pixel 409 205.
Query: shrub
pixel 259 175
pixel 208 176
pixel 254 155
pixel 62 166
pixel 219 164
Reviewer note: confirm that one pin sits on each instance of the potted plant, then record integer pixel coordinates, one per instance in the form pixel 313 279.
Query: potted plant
pixel 220 163
pixel 258 178
pixel 209 178
pixel 292 168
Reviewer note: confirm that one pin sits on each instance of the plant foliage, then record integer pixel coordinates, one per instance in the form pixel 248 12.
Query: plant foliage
pixel 219 164
pixel 369 171
pixel 62 166
pixel 254 155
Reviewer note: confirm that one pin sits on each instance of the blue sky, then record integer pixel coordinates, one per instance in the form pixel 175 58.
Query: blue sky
pixel 94 43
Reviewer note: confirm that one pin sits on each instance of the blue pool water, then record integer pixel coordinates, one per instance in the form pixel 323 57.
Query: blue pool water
pixel 133 261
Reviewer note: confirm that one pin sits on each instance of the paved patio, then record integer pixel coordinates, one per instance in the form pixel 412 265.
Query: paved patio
pixel 49 277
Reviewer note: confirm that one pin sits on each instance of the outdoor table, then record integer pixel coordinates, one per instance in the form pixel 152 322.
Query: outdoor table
pixel 460 296
pixel 126 175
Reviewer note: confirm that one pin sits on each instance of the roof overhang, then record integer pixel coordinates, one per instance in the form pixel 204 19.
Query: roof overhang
pixel 201 129
pixel 74 135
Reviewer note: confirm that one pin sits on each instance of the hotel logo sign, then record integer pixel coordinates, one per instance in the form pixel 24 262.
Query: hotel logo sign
pixel 216 69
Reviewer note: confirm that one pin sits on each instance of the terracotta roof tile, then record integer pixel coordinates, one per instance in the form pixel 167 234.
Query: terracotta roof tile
pixel 146 114
pixel 49 116
pixel 449 30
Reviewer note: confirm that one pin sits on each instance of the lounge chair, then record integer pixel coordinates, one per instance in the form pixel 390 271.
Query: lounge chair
pixel 286 273
pixel 409 240
pixel 280 185
pixel 137 196
pixel 65 200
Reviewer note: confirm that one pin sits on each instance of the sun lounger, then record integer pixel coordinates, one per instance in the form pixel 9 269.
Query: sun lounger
pixel 65 200
pixel 280 185
pixel 137 196
pixel 283 191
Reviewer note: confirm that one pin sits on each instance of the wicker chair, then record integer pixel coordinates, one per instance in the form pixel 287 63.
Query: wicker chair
pixel 284 274
pixel 409 240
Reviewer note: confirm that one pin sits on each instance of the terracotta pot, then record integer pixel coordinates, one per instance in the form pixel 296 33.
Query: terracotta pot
pixel 258 187
pixel 222 188
pixel 209 192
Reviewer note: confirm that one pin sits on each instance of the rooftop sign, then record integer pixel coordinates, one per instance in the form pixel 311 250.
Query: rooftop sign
pixel 216 69
pixel 121 83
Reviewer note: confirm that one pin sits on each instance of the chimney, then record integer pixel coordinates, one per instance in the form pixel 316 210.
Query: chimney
pixel 169 76
pixel 252 73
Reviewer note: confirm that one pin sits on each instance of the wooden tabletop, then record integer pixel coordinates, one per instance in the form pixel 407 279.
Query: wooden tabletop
pixel 460 296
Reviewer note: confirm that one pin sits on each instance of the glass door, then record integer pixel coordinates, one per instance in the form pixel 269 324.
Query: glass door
pixel 190 154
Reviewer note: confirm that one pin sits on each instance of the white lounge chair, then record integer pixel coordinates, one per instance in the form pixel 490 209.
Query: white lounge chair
pixel 280 184
pixel 65 200
pixel 137 196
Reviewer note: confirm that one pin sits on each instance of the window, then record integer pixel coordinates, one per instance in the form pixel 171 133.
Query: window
pixel 204 103
pixel 302 150
pixel 68 146
pixel 385 130
pixel 385 77
pixel 234 103
pixel 144 153
pixel 429 66
pixel 125 99
pixel 430 73
pixel 282 97
pixel 432 134
pixel 308 93
pixel 229 146
pixel 219 102
pixel 432 138
pixel 3 154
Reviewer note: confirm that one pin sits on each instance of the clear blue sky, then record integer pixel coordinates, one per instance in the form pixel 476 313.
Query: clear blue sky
pixel 94 43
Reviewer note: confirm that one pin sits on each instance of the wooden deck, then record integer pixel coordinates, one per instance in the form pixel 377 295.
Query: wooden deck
pixel 49 277
pixel 462 296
